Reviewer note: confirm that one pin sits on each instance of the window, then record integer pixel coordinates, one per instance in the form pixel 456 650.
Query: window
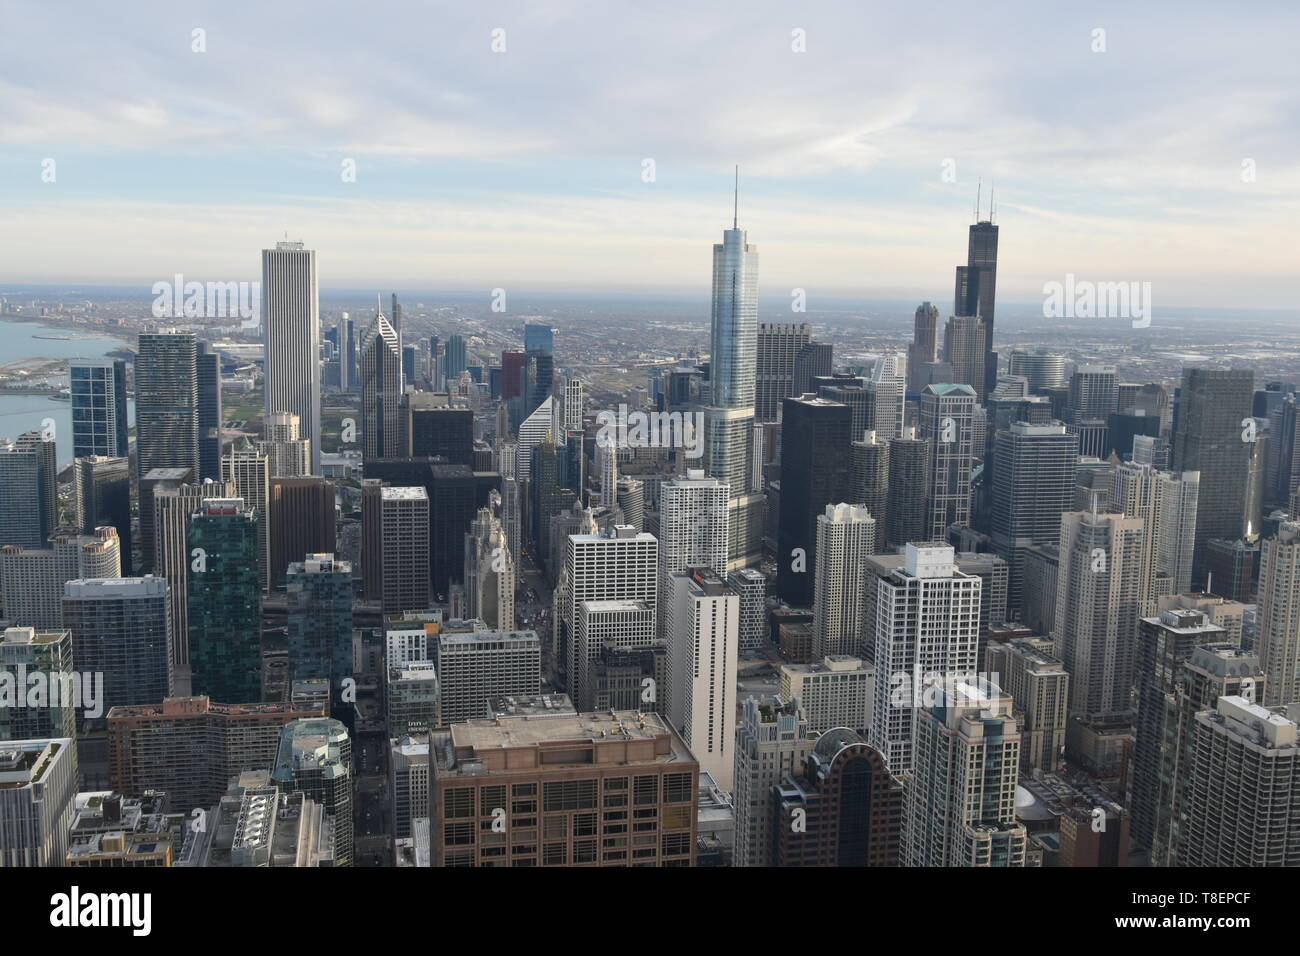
pixel 458 802
pixel 646 790
pixel 678 788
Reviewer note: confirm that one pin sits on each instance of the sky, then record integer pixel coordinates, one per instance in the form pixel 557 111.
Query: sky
pixel 1165 149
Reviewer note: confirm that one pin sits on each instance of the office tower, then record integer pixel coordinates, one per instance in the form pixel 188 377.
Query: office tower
pixel 32 580
pixel 155 482
pixel 703 637
pixel 287 455
pixel 777 345
pixel 842 807
pixel 453 503
pixel 1028 670
pixel 166 402
pixel 439 429
pixel 1283 466
pixel 315 759
pixel 395 547
pixel 964 351
pixel 490 573
pixel 26 653
pixel 1041 369
pixel 1278 640
pixel 411 698
pixel 926 621
pixel 291 335
pixel 729 415
pixel 1165 644
pixel 348 353
pixel 512 370
pixel 1102 591
pixel 1033 484
pixel 224 601
pixel 959 807
pixel 302 516
pixel 207 365
pixel 532 430
pixel 751 586
pixel 1208 437
pixel 548 497
pixel 846 536
pixel 249 471
pixel 836 691
pixel 318 611
pixel 1167 502
pixel 97 388
pixel 22 518
pixel 616 565
pixel 538 378
pixel 174 502
pixel 1123 427
pixel 409 353
pixel 190 747
pixel 1212 671
pixel 607 468
pixel 946 418
pixel 906 514
pixel 480 664
pixel 814 360
pixel 772 742
pixel 887 388
pixel 925 344
pixel 102 492
pixel 1094 393
pixel 631 502
pixel 605 627
pixel 38 791
pixel 408 782
pixel 1243 807
pixel 121 628
pixel 628 678
pixel 538 338
pixel 976 284
pixel 574 404
pixel 815 446
pixel 623 759
pixel 381 391
pixel 693 517
pixel 454 360
pixel 857 398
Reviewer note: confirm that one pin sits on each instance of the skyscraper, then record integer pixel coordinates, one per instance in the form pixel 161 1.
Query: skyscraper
pixel 24 520
pixel 381 391
pixel 815 440
pixel 926 622
pixel 315 759
pixel 395 547
pixel 249 470
pixel 906 514
pixel 1102 591
pixel 947 413
pixel 1166 501
pixel 925 345
pixel 538 338
pixel 291 335
pixel 703 638
pixel 99 420
pixel 167 402
pixel 1278 640
pixel 102 489
pixel 32 580
pixel 976 285
pixel 207 364
pixel 869 460
pixel 224 587
pixel 965 352
pixel 25 651
pixel 287 454
pixel 959 808
pixel 1033 484
pixel 772 742
pixel 1209 437
pixel 319 618
pixel 846 535
pixel 778 344
pixel 37 801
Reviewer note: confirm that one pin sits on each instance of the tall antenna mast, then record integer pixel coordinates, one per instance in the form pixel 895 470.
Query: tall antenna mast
pixel 735 209
pixel 993 191
pixel 978 189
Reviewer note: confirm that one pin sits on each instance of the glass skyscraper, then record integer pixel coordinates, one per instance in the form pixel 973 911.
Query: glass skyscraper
pixel 98 391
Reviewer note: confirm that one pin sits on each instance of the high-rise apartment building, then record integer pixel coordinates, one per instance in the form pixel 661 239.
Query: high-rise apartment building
pixel 846 536
pixel 249 470
pixel 476 665
pixel 1027 669
pixel 38 791
pixel 772 742
pixel 318 594
pixel 925 345
pixel 207 366
pixel 395 547
pixel 778 345
pixel 97 388
pixel 837 691
pixel 907 516
pixel 102 497
pixel 315 759
pixel 947 421
pixel 1278 638
pixel 288 455
pixel 166 402
pixel 25 652
pixel 32 581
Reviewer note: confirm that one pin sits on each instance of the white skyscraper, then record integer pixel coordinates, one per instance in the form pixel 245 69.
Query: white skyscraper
pixel 288 455
pixel 291 334
pixel 888 386
pixel 574 403
pixel 959 806
pixel 607 465
pixel 381 390
pixel 616 565
pixel 703 638
pixel 1167 502
pixel 1102 591
pixel 846 537
pixel 927 622
pixel 1278 642
pixel 772 742
pixel 532 430
pixel 490 576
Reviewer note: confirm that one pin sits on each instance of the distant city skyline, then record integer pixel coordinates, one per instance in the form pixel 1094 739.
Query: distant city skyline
pixel 1167 158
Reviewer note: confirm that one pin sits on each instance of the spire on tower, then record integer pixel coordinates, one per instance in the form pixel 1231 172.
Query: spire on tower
pixel 735 209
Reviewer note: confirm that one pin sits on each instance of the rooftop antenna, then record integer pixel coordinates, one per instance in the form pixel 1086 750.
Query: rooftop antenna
pixel 992 194
pixel 978 188
pixel 735 209
pixel 1209 582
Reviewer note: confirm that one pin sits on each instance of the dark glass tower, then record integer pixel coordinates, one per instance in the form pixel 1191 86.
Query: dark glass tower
pixel 98 392
pixel 208 365
pixel 977 286
pixel 224 590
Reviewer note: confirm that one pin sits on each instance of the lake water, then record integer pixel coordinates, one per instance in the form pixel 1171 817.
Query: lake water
pixel 22 413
